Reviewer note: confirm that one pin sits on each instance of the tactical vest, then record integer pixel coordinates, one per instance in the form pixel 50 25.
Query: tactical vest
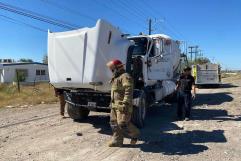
pixel 122 91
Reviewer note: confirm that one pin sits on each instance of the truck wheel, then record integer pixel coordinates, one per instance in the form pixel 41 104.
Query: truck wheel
pixel 77 113
pixel 139 109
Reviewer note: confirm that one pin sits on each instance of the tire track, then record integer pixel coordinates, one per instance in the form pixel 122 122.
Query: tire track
pixel 26 121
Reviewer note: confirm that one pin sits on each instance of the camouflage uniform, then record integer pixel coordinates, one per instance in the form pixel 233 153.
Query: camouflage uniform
pixel 121 108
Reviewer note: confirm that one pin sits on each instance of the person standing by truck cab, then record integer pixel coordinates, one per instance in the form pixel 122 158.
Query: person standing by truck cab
pixel 60 94
pixel 121 105
pixel 186 92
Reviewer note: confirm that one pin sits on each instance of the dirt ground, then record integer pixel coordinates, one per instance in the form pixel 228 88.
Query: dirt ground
pixel 214 133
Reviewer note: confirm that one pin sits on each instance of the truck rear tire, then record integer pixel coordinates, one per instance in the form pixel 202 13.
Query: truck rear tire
pixel 139 109
pixel 77 113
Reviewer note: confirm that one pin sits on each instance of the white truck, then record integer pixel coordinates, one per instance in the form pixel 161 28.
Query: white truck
pixel 208 74
pixel 77 63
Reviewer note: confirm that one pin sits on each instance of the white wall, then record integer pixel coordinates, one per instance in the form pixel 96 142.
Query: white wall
pixel 9 72
pixel 1 75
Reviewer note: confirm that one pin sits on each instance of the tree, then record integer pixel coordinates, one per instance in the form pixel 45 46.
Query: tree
pixel 201 60
pixel 45 59
pixel 24 60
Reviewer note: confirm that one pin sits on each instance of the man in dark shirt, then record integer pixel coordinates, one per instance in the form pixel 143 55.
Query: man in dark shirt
pixel 186 91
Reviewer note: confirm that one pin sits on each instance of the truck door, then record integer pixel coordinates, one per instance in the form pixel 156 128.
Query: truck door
pixel 159 66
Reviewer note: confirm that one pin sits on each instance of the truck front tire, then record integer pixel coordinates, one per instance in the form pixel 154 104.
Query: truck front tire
pixel 77 113
pixel 139 109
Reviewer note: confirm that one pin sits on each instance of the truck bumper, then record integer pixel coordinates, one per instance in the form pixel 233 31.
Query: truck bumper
pixel 91 100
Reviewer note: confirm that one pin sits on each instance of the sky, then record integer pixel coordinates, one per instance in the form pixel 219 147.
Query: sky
pixel 213 25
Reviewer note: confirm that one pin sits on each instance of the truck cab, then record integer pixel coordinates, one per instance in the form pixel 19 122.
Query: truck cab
pixel 77 64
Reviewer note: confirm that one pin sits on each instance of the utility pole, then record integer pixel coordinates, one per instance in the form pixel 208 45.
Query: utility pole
pixel 200 53
pixel 193 51
pixel 150 26
pixel 196 53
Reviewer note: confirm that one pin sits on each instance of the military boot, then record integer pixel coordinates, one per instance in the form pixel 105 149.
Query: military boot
pixel 114 143
pixel 133 141
pixel 117 139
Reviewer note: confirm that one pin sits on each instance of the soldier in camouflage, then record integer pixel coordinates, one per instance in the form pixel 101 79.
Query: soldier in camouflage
pixel 121 105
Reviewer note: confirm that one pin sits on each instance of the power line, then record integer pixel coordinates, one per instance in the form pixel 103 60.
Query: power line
pixel 154 13
pixel 147 9
pixel 130 10
pixel 136 12
pixel 174 29
pixel 68 9
pixel 133 7
pixel 161 27
pixel 146 5
pixel 36 16
pixel 15 21
pixel 56 5
pixel 167 29
pixel 116 11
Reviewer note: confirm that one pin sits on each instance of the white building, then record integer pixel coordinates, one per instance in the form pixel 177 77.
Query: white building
pixel 26 72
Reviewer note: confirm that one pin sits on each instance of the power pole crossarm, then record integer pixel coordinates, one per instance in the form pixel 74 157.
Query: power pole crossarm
pixel 193 51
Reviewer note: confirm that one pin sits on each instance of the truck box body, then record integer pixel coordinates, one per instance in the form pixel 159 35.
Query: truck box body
pixel 207 74
pixel 77 58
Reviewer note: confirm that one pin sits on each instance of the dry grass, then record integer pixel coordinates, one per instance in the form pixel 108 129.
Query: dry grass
pixel 231 77
pixel 227 75
pixel 29 95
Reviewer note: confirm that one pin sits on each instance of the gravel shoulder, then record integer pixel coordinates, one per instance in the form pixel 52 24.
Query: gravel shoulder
pixel 39 133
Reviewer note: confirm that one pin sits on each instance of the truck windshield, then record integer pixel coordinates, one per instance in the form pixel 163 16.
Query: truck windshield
pixel 140 46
